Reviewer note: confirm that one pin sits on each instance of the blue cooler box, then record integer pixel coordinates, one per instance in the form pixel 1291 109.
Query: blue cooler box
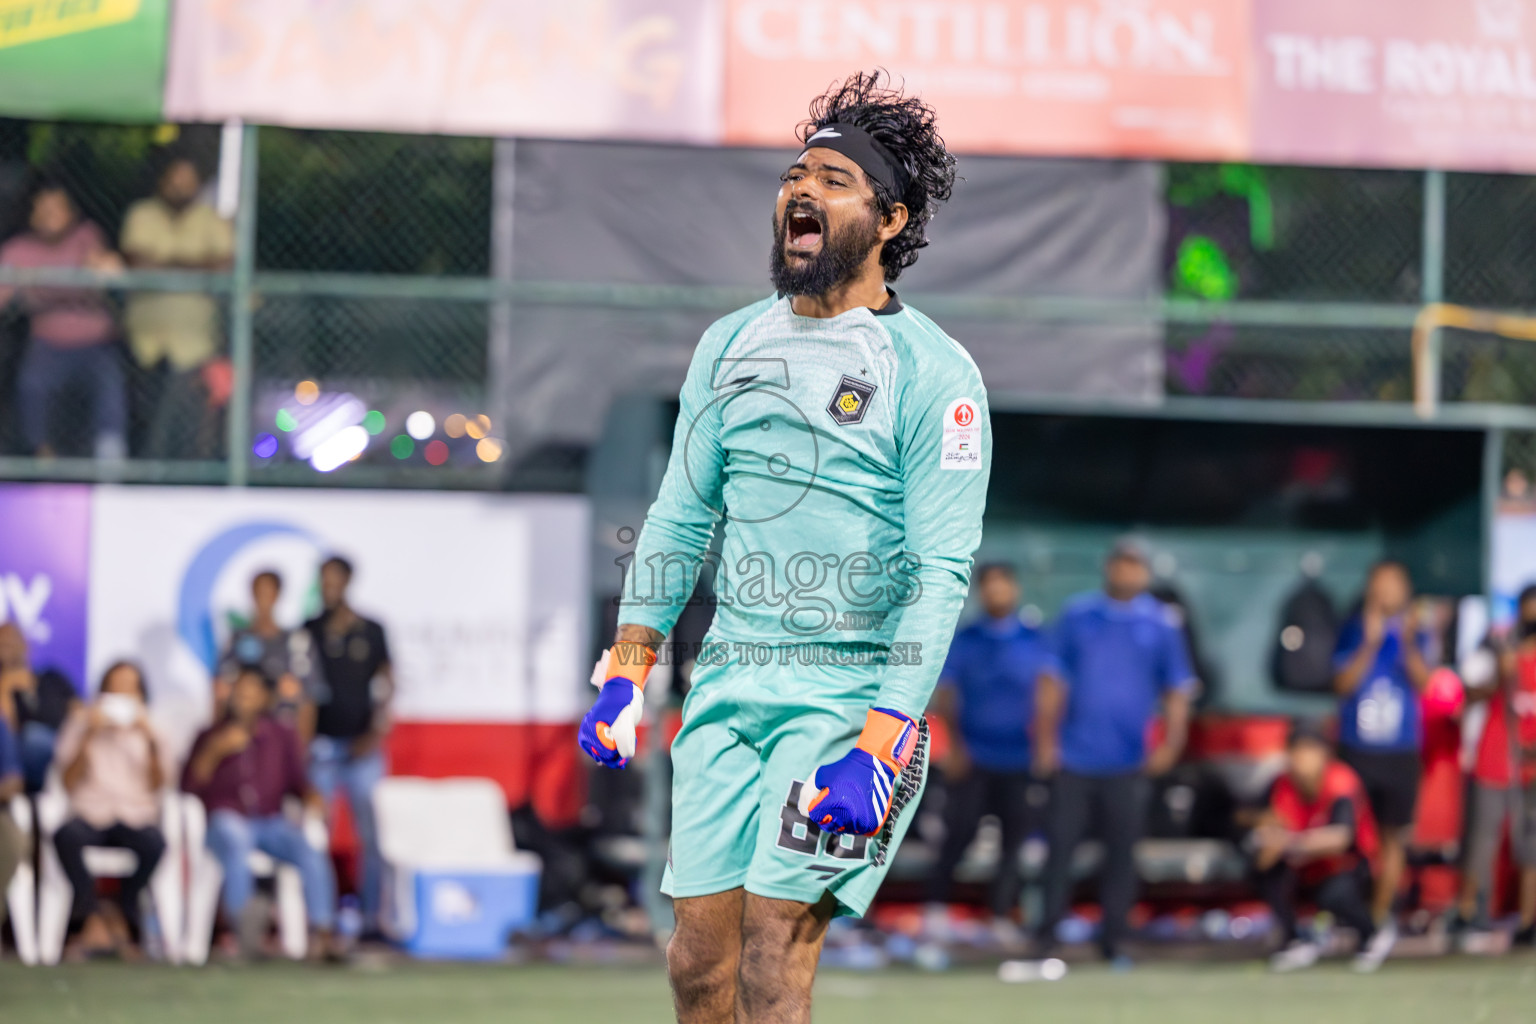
pixel 468 915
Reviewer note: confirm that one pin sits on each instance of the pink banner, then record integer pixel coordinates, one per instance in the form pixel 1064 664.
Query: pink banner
pixel 644 69
pixel 1395 83
pixel 1070 77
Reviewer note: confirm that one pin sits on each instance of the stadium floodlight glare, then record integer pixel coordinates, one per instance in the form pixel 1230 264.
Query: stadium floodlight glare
pixel 420 424
pixel 346 411
pixel 340 448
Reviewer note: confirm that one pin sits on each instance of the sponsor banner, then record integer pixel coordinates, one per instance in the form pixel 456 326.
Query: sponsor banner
pixel 45 536
pixel 1054 77
pixel 643 69
pixel 86 59
pixel 483 597
pixel 1412 83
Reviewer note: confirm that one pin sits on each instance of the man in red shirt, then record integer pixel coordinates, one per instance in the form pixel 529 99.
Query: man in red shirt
pixel 242 768
pixel 1316 838
pixel 72 329
pixel 1504 776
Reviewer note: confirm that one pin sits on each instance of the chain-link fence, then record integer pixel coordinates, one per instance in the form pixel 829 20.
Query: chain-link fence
pixel 357 319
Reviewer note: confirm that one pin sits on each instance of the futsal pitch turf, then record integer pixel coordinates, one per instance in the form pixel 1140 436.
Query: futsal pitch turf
pixel 1457 990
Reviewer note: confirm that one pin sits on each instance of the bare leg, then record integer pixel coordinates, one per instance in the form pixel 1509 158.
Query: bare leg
pixel 703 957
pixel 1394 856
pixel 781 944
pixel 1527 897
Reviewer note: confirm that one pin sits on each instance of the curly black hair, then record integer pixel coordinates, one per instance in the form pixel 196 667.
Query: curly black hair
pixel 906 126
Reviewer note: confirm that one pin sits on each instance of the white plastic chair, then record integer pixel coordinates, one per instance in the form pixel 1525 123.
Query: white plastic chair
pixel 444 825
pixel 21 896
pixel 55 896
pixel 207 877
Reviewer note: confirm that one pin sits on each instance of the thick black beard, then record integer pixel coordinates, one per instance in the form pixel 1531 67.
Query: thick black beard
pixel 842 253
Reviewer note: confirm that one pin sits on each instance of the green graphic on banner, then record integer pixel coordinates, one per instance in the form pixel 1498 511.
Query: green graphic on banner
pixel 94 60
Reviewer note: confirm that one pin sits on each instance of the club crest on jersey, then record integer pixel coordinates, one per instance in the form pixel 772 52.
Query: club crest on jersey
pixel 850 400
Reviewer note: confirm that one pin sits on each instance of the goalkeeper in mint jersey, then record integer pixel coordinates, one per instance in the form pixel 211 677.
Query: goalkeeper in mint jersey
pixel 844 441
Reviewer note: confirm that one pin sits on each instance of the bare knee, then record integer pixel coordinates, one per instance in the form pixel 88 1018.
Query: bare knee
pixel 774 980
pixel 703 974
pixel 781 943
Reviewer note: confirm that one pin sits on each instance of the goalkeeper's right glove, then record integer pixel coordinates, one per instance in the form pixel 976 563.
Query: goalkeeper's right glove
pixel 607 732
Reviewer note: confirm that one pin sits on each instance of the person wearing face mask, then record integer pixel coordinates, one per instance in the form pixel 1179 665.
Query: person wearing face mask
pixel 109 756
pixel 174 336
pixel 1503 672
pixel 1381 667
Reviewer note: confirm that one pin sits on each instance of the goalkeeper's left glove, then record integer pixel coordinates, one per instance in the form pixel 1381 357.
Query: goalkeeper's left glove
pixel 853 794
pixel 607 732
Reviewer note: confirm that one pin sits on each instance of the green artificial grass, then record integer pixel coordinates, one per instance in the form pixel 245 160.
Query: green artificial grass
pixel 1456 990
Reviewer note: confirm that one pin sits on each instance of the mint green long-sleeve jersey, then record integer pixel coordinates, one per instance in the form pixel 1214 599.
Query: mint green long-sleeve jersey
pixel 848 457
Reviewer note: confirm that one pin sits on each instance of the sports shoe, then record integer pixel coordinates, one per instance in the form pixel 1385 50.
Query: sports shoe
pixel 1524 937
pixel 1374 952
pixel 1298 955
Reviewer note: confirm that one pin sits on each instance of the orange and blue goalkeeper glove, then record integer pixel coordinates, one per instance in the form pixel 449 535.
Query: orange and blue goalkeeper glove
pixel 853 794
pixel 607 732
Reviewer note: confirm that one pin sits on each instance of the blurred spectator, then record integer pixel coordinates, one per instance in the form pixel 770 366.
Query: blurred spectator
pixel 174 336
pixel 34 705
pixel 12 844
pixel 351 715
pixel 284 655
pixel 1120 653
pixel 242 768
pixel 72 329
pixel 986 698
pixel 1504 773
pixel 111 764
pixel 1316 839
pixel 1380 669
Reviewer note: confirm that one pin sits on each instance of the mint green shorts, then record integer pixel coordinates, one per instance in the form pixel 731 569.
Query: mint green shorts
pixel 751 736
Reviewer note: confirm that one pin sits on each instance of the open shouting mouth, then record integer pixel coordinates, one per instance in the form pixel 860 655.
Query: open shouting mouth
pixel 802 231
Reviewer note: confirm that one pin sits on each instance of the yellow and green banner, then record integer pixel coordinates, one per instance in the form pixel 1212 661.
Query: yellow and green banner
pixel 97 60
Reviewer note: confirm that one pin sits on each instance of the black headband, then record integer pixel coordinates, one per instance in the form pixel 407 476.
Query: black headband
pixel 877 162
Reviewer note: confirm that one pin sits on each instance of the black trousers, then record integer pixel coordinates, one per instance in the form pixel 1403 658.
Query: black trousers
pixel 1346 895
pixel 966 801
pixel 147 844
pixel 1118 804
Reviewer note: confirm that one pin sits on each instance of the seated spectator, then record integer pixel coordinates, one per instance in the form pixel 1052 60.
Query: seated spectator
pixel 1504 774
pixel 110 761
pixel 1316 839
pixel 12 842
pixel 33 704
pixel 72 330
pixel 285 655
pixel 174 336
pixel 242 768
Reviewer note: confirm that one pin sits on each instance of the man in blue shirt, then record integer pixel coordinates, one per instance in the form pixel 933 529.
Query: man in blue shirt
pixel 986 697
pixel 1121 654
pixel 1379 674
pixel 10 835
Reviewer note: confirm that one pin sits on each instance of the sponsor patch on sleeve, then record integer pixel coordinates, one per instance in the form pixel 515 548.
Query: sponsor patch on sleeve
pixel 961 448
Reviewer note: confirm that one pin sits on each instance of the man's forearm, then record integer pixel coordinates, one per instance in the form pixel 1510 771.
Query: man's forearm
pixel 1049 699
pixel 1347 680
pixel 1176 716
pixel 630 633
pixel 1324 841
pixel 1417 668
